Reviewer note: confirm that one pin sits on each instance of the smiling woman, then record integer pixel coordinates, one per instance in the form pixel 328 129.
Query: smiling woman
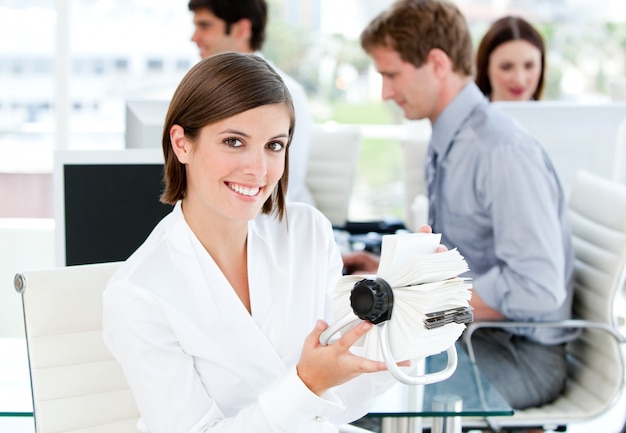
pixel 232 169
pixel 228 95
pixel 216 318
pixel 510 62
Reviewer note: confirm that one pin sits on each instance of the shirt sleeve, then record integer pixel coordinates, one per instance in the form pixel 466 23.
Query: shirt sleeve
pixel 522 192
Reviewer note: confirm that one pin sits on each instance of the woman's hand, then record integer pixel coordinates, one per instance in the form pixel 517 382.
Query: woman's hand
pixel 323 367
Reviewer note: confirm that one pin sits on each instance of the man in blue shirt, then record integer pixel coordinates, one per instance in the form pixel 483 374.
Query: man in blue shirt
pixel 493 192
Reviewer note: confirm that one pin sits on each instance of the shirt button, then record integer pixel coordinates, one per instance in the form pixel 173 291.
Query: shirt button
pixel 319 419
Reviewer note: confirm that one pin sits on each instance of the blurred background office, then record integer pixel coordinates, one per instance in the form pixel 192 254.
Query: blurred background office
pixel 68 66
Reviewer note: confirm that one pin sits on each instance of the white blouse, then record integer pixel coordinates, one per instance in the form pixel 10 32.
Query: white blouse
pixel 197 361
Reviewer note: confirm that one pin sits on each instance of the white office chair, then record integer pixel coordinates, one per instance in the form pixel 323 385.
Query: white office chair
pixel 77 385
pixel 597 210
pixel 619 169
pixel 331 169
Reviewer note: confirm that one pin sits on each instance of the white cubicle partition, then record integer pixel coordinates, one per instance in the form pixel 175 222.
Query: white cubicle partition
pixel 144 123
pixel 576 135
pixel 25 243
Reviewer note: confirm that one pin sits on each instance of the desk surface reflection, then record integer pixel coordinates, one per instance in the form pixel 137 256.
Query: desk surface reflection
pixel 466 393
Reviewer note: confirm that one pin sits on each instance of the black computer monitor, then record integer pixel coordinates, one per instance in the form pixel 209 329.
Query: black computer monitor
pixel 106 203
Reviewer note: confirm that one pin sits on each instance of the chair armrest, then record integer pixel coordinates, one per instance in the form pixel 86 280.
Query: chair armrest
pixel 572 323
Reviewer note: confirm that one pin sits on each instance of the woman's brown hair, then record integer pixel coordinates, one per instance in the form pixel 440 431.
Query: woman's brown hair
pixel 216 88
pixel 506 29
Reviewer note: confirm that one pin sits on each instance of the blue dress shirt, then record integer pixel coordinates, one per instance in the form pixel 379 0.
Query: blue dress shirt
pixel 495 196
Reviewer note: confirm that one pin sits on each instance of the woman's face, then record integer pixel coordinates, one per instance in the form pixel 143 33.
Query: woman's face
pixel 235 164
pixel 514 71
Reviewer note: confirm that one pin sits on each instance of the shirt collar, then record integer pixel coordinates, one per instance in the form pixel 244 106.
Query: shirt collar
pixel 454 115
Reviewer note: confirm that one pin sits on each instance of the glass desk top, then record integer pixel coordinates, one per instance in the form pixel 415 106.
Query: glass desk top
pixel 467 385
pixel 466 393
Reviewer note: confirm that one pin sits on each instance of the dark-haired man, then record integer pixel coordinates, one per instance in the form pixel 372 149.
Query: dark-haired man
pixel 239 25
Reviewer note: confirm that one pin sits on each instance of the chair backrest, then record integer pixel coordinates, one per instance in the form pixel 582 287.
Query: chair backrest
pixel 595 377
pixel 331 169
pixel 619 168
pixel 77 384
pixel 597 210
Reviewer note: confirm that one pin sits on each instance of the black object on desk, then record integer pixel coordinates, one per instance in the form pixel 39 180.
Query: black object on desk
pixel 384 226
pixel 368 235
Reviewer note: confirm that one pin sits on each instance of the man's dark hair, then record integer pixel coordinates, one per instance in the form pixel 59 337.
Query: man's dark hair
pixel 232 11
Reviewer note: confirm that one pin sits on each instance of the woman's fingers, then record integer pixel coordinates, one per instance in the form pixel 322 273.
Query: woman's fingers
pixel 313 339
pixel 425 229
pixel 348 339
pixel 323 367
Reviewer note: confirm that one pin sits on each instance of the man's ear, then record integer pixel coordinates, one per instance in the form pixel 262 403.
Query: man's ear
pixel 242 30
pixel 180 144
pixel 442 65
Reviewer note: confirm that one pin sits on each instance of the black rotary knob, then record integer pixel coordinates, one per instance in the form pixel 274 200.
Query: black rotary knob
pixel 372 300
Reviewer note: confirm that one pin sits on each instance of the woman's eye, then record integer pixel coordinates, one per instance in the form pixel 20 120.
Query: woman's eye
pixel 233 142
pixel 276 146
pixel 529 65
